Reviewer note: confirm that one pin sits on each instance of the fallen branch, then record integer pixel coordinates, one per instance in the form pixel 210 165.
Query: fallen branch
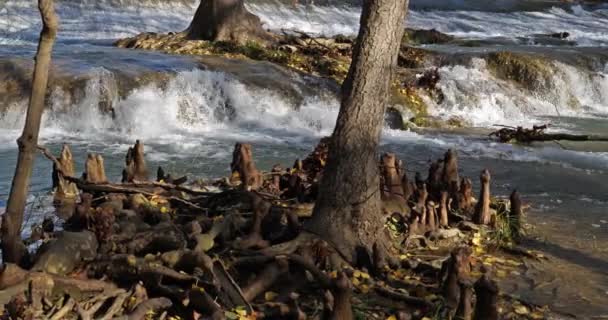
pixel 537 133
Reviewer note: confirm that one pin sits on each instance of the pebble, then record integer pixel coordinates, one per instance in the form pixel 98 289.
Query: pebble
pixel 595 225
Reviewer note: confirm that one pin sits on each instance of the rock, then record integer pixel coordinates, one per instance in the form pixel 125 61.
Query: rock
pixel 468 226
pixel 560 35
pixel 529 71
pixel 426 121
pixel 66 253
pixel 138 201
pixel 445 234
pixel 421 36
pixel 393 119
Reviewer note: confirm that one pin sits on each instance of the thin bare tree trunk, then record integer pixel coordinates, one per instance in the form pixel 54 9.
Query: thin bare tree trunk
pixel 12 246
pixel 348 212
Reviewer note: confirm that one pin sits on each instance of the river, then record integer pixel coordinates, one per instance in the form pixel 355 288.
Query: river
pixel 189 111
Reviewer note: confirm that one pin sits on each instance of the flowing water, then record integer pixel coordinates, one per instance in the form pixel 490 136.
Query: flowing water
pixel 190 111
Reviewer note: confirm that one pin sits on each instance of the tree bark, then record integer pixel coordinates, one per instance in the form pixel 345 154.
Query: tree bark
pixel 348 211
pixel 12 246
pixel 226 20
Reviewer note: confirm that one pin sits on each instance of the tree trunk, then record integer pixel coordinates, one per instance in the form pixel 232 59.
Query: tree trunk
pixel 12 246
pixel 348 212
pixel 226 20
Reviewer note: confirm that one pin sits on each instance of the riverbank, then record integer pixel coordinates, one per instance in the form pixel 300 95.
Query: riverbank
pixel 141 230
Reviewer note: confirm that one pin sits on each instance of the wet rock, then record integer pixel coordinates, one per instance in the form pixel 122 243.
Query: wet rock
pixel 421 36
pixel 436 122
pixel 529 71
pixel 560 35
pixel 394 119
pixel 66 253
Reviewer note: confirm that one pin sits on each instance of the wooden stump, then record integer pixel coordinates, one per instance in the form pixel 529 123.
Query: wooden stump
pixel 465 307
pixel 391 178
pixel 242 163
pixel 482 210
pixel 455 270
pixel 95 171
pixel 65 167
pixel 135 161
pixel 516 215
pixel 391 186
pixel 450 177
pixel 434 180
pixel 443 209
pixel 464 199
pixel 431 214
pixel 486 307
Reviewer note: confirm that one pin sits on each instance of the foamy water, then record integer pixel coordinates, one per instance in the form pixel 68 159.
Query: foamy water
pixel 86 20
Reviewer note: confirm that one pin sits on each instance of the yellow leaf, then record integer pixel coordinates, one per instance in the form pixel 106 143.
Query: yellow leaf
pixel 333 274
pixel 501 273
pixel 364 288
pixel 392 317
pixel 521 310
pixel 476 241
pixel 537 315
pixel 270 296
pixel 364 275
pixel 241 312
pixel 164 210
pixel 356 281
pixel 357 274
pixel 513 262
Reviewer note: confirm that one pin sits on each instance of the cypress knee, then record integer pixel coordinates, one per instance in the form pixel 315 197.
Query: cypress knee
pixel 482 210
pixel 516 215
pixel 486 291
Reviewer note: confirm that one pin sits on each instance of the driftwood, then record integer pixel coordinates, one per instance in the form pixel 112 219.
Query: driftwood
pixel 537 133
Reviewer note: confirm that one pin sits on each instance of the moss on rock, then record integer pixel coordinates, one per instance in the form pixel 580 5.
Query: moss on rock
pixel 314 57
pixel 530 72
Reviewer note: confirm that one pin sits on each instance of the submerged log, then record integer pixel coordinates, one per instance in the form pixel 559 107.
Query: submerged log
pixel 537 133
